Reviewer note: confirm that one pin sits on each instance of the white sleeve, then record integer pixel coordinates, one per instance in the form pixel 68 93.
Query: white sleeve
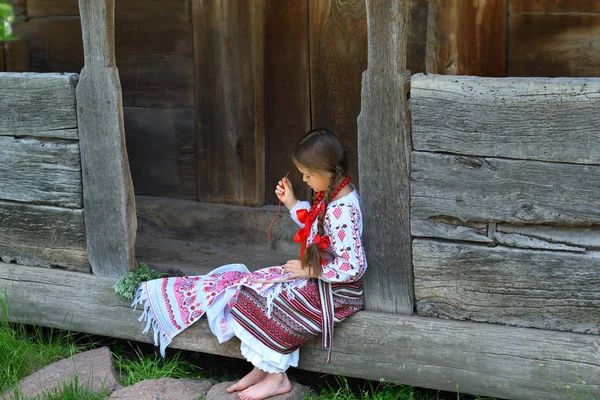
pixel 300 205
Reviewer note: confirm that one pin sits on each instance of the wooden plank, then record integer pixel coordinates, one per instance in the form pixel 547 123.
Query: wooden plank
pixel 17 56
pixel 522 6
pixel 43 236
pixel 474 189
pixel 534 118
pixel 155 58
pixel 529 288
pixel 287 99
pixel 107 189
pixel 416 48
pixel 48 100
pixel 338 57
pixel 2 58
pixel 554 45
pixel 159 81
pixel 483 359
pixel 450 228
pixel 467 37
pixel 384 160
pixel 54 44
pixel 130 9
pixel 229 75
pixel 40 171
pixel 162 151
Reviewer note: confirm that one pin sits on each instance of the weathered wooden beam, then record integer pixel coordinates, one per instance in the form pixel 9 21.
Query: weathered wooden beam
pixel 48 101
pixel 108 197
pixel 527 118
pixel 484 359
pixel 476 189
pixel 544 289
pixel 40 171
pixel 384 160
pixel 43 236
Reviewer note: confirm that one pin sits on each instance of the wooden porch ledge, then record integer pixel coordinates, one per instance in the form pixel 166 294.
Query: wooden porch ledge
pixel 485 359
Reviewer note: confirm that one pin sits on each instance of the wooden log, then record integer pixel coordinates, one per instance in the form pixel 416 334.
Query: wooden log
pixel 338 57
pixel 534 118
pixel 384 160
pixel 48 100
pixel 108 197
pixel 475 189
pixel 228 40
pixel 162 151
pixel 287 100
pixel 554 44
pixel 17 55
pixel 450 228
pixel 131 9
pixel 483 359
pixel 466 37
pixel 529 288
pixel 43 236
pixel 40 171
pixel 586 237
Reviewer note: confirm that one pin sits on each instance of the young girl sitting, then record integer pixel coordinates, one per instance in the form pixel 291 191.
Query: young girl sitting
pixel 275 310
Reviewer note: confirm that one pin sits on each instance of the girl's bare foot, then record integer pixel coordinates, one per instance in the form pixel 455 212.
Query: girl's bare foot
pixel 253 377
pixel 271 385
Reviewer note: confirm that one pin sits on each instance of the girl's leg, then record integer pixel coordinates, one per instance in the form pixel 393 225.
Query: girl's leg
pixel 271 385
pixel 254 376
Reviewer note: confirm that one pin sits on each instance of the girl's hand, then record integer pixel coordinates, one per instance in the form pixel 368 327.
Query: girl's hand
pixel 285 193
pixel 295 267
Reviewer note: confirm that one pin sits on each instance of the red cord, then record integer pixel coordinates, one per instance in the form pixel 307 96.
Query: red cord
pixel 274 219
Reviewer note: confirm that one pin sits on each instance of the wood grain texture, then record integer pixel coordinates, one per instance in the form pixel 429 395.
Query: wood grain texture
pixel 450 228
pixel 40 172
pixel 2 58
pixel 108 197
pixel 563 44
pixel 155 58
pixel 229 76
pixel 17 55
pixel 482 359
pixel 476 189
pixel 534 118
pixel 467 37
pixel 161 149
pixel 126 9
pixel 287 97
pixel 384 160
pixel 416 48
pixel 48 100
pixel 580 237
pixel 543 289
pixel 338 57
pixel 527 6
pixel 43 236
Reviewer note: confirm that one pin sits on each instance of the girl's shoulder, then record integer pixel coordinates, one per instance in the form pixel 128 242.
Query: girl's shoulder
pixel 351 200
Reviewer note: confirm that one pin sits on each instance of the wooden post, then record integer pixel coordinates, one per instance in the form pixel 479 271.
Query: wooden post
pixel 109 203
pixel 384 160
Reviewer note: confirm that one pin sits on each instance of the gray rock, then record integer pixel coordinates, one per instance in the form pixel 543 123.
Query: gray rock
pixel 164 389
pixel 218 392
pixel 93 369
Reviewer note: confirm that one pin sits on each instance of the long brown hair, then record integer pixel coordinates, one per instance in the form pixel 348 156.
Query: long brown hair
pixel 321 151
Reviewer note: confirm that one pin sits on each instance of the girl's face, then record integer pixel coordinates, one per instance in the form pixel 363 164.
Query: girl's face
pixel 318 181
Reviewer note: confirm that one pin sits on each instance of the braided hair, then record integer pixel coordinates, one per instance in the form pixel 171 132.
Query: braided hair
pixel 321 151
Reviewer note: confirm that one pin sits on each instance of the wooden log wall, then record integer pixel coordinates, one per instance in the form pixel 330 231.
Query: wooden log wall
pixel 41 205
pixel 155 59
pixel 505 210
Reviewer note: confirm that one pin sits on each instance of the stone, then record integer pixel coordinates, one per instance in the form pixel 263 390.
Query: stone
pixel 164 389
pixel 93 369
pixel 219 392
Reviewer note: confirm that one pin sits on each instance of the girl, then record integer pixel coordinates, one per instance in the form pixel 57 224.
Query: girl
pixel 274 311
